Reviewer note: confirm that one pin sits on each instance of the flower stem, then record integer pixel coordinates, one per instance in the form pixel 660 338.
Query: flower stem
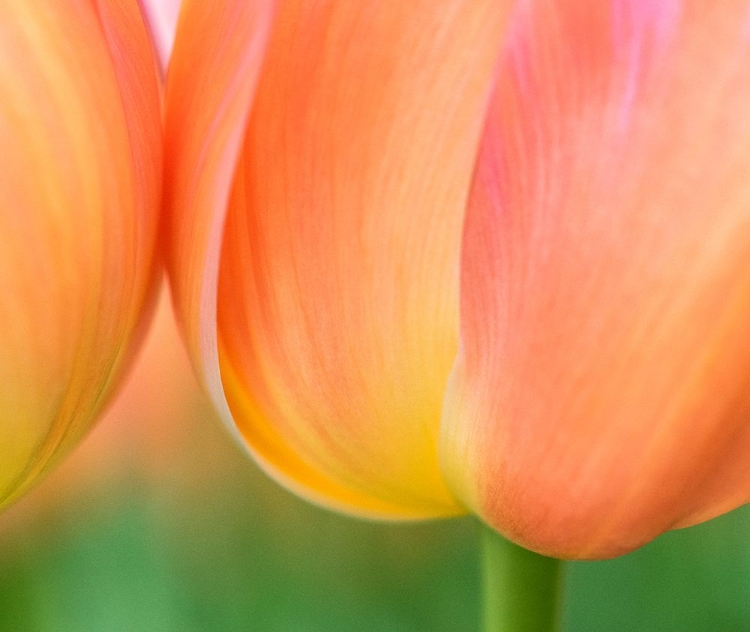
pixel 520 588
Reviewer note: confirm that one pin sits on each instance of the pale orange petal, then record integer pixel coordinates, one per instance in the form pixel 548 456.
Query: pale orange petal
pixel 80 164
pixel 338 296
pixel 602 392
pixel 143 433
pixel 212 75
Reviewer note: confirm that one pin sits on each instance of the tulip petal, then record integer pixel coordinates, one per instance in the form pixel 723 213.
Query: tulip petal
pixel 338 292
pixel 602 391
pixel 77 216
pixel 212 76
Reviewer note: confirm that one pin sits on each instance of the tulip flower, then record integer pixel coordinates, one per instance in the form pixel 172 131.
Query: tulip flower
pixel 80 162
pixel 440 256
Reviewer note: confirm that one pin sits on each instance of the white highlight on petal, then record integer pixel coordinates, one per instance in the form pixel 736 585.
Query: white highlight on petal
pixel 161 18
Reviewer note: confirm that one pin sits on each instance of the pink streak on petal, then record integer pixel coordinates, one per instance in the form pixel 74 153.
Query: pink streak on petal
pixel 641 30
pixel 600 394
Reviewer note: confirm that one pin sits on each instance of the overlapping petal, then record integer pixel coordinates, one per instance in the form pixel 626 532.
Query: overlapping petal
pixel 602 390
pixel 338 283
pixel 80 156
pixel 212 76
pixel 319 159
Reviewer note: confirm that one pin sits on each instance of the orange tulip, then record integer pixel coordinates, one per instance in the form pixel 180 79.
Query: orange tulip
pixel 80 161
pixel 559 346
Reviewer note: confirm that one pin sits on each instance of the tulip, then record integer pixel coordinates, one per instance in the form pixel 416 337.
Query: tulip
pixel 440 256
pixel 80 134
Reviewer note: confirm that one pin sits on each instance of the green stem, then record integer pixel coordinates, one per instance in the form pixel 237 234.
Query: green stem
pixel 520 588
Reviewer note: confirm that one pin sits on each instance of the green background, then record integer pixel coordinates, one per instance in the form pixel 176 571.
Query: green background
pixel 177 549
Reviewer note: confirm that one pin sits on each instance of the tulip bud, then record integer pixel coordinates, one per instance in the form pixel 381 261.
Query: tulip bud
pixel 558 346
pixel 80 156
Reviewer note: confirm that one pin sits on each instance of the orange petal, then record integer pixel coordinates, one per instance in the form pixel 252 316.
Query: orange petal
pixel 80 138
pixel 212 75
pixel 142 434
pixel 602 391
pixel 338 291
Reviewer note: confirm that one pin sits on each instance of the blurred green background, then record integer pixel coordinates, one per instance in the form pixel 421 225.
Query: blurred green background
pixel 236 552
pixel 159 522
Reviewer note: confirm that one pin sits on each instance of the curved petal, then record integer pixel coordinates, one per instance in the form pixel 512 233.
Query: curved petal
pixel 80 163
pixel 602 392
pixel 212 75
pixel 338 291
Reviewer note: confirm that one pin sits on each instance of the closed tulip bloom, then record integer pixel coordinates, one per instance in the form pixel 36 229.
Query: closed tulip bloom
pixel 437 257
pixel 80 155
